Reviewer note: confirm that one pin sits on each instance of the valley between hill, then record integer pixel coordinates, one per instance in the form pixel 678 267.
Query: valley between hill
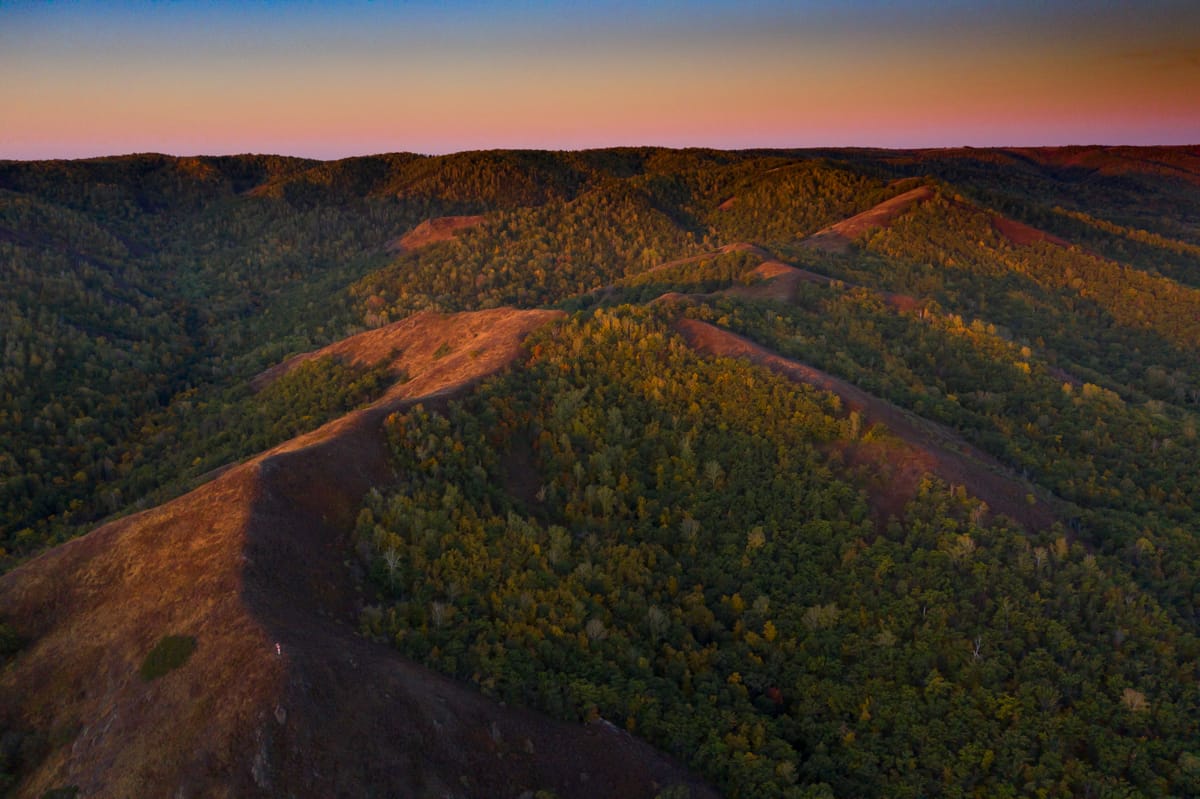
pixel 632 472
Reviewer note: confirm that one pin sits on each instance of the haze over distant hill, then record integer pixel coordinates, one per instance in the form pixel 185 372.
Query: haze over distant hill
pixel 632 472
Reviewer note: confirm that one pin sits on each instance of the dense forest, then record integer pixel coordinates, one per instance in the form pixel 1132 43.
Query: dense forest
pixel 693 559
pixel 696 549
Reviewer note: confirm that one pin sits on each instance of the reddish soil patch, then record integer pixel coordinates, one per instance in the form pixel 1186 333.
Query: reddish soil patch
pixel 674 298
pixel 1020 233
pixel 429 346
pixel 904 303
pixel 891 471
pixel 777 281
pixel 728 204
pixel 837 238
pixel 441 228
pixel 744 246
pixel 281 697
pixel 1064 376
pixel 740 246
pixel 769 270
pixel 947 455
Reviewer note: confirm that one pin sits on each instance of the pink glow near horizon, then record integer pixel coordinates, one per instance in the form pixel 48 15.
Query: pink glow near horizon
pixel 83 94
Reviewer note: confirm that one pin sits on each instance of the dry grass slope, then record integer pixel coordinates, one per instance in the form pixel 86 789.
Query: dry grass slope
pixel 280 697
pixel 837 238
pixel 442 228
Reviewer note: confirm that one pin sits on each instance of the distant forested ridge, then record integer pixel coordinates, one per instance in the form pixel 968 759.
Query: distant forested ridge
pixel 751 573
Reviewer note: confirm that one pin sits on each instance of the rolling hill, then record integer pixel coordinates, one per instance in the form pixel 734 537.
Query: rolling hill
pixel 271 702
pixel 634 472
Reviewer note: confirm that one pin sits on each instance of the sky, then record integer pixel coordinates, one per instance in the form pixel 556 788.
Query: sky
pixel 336 79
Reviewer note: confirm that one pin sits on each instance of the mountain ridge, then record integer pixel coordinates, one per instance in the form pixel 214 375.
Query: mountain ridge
pixel 260 587
pixel 984 503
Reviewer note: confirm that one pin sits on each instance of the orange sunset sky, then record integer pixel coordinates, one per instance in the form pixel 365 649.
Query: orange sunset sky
pixel 329 80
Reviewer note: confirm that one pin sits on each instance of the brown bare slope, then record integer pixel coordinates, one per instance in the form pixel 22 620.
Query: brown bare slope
pixel 432 347
pixel 441 228
pixel 932 447
pixel 837 237
pixel 252 561
pixel 1020 233
pixel 740 246
pixel 776 281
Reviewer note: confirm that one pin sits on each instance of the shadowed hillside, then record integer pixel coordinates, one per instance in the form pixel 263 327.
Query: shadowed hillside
pixel 814 473
pixel 249 567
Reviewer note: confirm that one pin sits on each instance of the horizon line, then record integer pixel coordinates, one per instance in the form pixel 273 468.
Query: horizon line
pixel 676 148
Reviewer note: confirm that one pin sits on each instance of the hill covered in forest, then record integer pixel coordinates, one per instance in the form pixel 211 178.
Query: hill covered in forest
pixel 823 473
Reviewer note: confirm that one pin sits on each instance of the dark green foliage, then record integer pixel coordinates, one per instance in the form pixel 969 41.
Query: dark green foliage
pixel 699 567
pixel 791 200
pixel 10 642
pixel 951 237
pixel 316 391
pixel 698 274
pixel 1130 187
pixel 68 792
pixel 199 433
pixel 1167 256
pixel 1088 316
pixel 528 257
pixel 622 529
pixel 133 288
pixel 171 652
pixel 675 792
pixel 21 750
pixel 1081 439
